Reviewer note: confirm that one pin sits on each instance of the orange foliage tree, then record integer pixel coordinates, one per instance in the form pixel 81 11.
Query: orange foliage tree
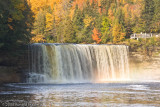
pixel 96 35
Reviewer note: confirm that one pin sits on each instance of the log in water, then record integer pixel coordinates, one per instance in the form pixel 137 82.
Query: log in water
pixel 61 63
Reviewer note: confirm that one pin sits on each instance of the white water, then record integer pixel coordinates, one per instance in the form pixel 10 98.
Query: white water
pixel 61 63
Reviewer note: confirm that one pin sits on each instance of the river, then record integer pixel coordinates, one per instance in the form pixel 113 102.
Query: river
pixel 115 94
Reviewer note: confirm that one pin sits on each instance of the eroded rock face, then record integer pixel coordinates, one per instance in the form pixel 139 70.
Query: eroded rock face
pixel 8 74
pixel 12 66
pixel 144 68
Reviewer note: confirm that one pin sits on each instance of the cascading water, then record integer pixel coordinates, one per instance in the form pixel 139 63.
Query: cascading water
pixel 60 63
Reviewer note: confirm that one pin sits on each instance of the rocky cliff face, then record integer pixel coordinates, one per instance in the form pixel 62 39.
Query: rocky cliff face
pixel 143 67
pixel 12 67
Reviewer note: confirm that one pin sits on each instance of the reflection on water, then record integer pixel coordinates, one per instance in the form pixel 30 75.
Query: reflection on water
pixel 88 94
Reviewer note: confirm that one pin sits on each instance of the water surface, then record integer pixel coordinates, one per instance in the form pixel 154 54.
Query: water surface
pixel 141 94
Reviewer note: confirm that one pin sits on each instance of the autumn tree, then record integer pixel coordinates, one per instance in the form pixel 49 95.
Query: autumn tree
pixel 96 36
pixel 90 21
pixel 118 32
pixel 49 21
pixel 49 24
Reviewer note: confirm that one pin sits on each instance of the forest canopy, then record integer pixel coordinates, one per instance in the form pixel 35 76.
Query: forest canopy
pixel 76 21
pixel 73 21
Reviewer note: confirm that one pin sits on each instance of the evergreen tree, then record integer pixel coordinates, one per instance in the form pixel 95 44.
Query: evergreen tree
pixel 50 30
pixel 156 17
pixel 78 24
pixel 106 29
pixel 15 26
pixel 147 15
pixel 40 23
pixel 68 31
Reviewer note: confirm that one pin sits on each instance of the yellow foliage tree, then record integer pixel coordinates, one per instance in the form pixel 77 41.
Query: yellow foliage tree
pixel 118 33
pixel 126 13
pixel 38 39
pixel 61 9
pixel 88 20
pixel 49 21
pixel 37 5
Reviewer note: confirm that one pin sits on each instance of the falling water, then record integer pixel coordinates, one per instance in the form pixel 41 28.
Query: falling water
pixel 60 63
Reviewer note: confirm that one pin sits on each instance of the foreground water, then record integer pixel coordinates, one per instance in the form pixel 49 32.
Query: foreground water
pixel 133 94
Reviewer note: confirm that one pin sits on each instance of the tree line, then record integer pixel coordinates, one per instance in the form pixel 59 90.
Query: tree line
pixel 76 21
pixel 88 21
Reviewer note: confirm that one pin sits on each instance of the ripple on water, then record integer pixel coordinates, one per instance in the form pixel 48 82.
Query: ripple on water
pixel 138 87
pixel 106 94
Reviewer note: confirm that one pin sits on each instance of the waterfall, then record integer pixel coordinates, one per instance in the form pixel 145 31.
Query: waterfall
pixel 60 63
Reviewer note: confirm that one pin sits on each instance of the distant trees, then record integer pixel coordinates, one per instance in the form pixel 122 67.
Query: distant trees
pixel 79 21
pixel 76 21
pixel 82 21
